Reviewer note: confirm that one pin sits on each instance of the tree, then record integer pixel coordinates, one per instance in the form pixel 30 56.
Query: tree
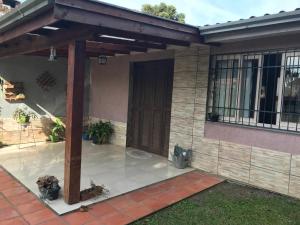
pixel 165 11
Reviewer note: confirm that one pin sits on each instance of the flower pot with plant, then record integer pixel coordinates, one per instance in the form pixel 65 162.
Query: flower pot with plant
pixel 58 131
pixel 181 157
pixel 23 116
pixel 101 132
pixel 213 117
pixel 85 133
pixel 48 187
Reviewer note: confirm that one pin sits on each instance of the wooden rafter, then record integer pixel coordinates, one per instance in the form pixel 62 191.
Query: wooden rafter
pixel 100 19
pixel 116 23
pixel 94 49
pixel 114 47
pixel 125 14
pixel 143 37
pixel 29 43
pixel 134 43
pixel 64 53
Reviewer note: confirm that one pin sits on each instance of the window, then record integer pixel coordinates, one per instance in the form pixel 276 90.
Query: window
pixel 291 90
pixel 256 89
pixel 225 83
pixel 248 87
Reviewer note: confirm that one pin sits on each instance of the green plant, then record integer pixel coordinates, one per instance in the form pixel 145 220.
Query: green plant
pixel 58 131
pixel 23 116
pixel 85 133
pixel 213 117
pixel 101 132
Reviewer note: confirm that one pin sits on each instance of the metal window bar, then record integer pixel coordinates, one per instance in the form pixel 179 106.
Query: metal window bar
pixel 272 82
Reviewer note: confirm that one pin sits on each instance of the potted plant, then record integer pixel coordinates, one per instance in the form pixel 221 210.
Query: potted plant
pixel 58 131
pixel 101 132
pixel 23 116
pixel 48 187
pixel 181 157
pixel 213 117
pixel 86 133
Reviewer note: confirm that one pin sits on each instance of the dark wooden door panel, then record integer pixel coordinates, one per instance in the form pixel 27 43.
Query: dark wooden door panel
pixel 150 106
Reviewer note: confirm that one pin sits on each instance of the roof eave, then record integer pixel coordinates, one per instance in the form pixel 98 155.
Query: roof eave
pixel 25 11
pixel 281 18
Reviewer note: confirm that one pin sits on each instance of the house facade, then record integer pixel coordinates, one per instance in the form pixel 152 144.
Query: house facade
pixel 250 82
pixel 234 99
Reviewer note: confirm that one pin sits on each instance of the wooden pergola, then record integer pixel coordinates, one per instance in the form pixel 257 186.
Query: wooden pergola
pixel 80 29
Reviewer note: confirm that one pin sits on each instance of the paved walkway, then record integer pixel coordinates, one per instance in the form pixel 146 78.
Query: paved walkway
pixel 18 206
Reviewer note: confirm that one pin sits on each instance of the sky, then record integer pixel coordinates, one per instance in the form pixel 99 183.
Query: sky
pixel 201 12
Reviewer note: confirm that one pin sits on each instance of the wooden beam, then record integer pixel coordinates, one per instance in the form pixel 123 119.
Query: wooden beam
pixel 126 14
pixel 143 37
pixel 113 47
pixel 29 43
pixel 96 19
pixel 135 43
pixel 74 123
pixel 62 52
pixel 42 20
pixel 94 49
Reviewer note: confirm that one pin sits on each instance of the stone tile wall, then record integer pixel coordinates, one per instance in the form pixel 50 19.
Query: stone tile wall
pixel 265 168
pixel 12 133
pixel 189 96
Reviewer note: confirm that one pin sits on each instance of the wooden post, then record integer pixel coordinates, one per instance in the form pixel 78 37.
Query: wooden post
pixel 74 112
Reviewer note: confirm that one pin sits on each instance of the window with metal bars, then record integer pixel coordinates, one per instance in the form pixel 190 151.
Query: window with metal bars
pixel 259 89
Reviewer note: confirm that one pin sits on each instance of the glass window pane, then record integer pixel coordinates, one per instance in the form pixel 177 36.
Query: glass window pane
pixel 225 93
pixel 248 88
pixel 291 92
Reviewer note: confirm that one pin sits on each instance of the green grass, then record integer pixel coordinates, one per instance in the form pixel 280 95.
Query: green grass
pixel 229 204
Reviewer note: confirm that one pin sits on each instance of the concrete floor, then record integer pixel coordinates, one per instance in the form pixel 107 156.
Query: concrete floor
pixel 120 170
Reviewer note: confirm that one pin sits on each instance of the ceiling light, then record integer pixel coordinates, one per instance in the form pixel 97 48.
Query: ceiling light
pixel 119 38
pixel 50 28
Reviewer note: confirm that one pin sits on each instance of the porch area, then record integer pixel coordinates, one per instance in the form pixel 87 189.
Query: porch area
pixel 120 170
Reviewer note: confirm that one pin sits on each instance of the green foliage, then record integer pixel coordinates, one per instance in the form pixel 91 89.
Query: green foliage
pixel 23 116
pixel 58 131
pixel 165 11
pixel 229 204
pixel 101 132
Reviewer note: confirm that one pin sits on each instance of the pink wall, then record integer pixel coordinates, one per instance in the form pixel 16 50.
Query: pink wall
pixel 110 85
pixel 275 140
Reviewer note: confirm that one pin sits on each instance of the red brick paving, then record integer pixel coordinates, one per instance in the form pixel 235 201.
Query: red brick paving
pixel 20 207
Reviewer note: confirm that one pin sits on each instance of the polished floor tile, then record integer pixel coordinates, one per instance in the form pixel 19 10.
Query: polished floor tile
pixel 120 170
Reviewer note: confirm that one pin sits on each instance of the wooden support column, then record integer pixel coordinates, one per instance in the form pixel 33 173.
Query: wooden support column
pixel 74 112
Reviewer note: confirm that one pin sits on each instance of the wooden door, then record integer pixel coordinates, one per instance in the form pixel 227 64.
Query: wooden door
pixel 150 106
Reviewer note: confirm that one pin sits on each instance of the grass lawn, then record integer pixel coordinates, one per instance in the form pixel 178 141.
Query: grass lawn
pixel 230 204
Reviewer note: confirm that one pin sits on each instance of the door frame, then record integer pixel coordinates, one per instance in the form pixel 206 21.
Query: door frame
pixel 130 95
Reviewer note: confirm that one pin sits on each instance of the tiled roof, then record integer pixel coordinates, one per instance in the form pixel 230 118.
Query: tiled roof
pixel 265 16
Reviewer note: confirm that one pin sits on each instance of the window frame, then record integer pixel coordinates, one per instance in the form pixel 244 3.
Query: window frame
pixel 289 125
pixel 228 58
pixel 237 117
pixel 257 91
